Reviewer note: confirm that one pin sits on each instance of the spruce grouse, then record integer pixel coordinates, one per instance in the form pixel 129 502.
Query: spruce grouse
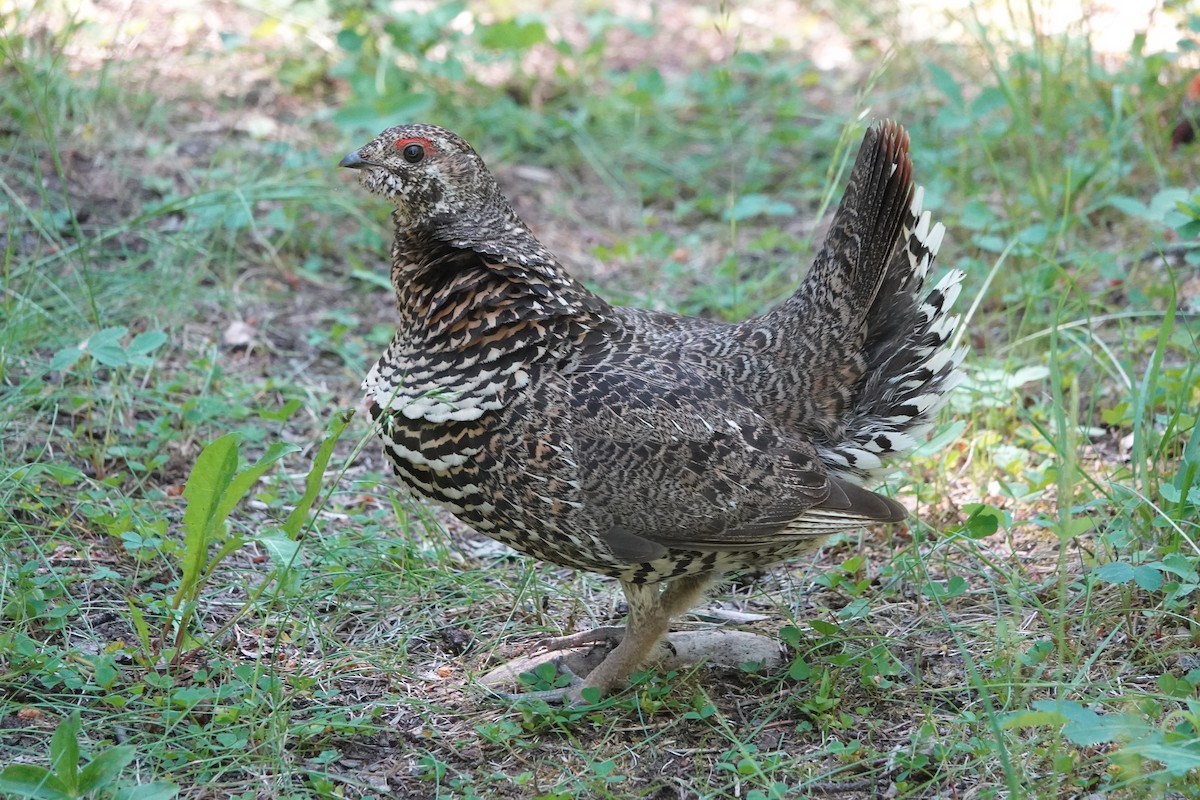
pixel 657 449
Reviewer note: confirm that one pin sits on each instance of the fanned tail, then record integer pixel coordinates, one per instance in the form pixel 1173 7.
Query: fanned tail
pixel 910 364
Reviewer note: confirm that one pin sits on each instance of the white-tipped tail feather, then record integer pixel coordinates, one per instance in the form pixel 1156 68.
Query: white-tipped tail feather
pixel 897 408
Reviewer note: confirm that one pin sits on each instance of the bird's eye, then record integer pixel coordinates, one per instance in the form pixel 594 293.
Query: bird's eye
pixel 413 153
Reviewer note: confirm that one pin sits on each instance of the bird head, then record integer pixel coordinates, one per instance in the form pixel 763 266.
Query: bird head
pixel 433 178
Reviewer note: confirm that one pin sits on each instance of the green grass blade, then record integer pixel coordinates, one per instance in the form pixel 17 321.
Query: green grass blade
pixel 312 483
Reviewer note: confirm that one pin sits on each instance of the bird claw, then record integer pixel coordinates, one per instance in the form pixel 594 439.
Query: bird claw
pixel 607 634
pixel 571 655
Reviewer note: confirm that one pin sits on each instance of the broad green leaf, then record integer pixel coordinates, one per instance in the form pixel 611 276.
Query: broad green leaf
pixel 989 243
pixel 954 587
pixel 988 100
pixel 1166 202
pixel 854 563
pixel 107 337
pixel 945 83
pixel 64 752
pixel 65 359
pixel 982 521
pixel 1173 686
pixel 1178 564
pixel 105 347
pixel 1086 727
pixel 1130 206
pixel 824 628
pixel 349 40
pixel 1147 578
pixel 283 549
pixel 1075 526
pixel 855 609
pixel 147 341
pixel 1026 375
pixel 1115 572
pixel 143 345
pixel 942 440
pixel 242 482
pixel 32 782
pixel 1036 233
pixel 1037 652
pixel 105 767
pixel 210 477
pixel 1178 759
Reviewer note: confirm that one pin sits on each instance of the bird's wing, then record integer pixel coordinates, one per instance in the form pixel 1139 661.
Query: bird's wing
pixel 670 460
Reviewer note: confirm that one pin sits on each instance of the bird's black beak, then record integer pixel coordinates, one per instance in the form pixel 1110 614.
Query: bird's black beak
pixel 353 160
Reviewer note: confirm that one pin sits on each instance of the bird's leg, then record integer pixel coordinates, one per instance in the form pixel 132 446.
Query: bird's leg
pixel 646 625
pixel 683 593
pixel 650 612
pixel 679 596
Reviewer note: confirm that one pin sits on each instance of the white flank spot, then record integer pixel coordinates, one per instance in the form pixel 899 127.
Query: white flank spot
pixel 437 464
pixel 444 413
pixel 461 492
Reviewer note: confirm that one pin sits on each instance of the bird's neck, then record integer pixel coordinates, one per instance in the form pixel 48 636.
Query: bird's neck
pixel 473 324
pixel 445 281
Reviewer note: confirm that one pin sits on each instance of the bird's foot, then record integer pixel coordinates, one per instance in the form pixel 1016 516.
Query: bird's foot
pixel 576 661
pixel 570 657
pixel 606 634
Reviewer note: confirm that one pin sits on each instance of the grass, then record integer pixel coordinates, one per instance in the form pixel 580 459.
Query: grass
pixel 210 588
